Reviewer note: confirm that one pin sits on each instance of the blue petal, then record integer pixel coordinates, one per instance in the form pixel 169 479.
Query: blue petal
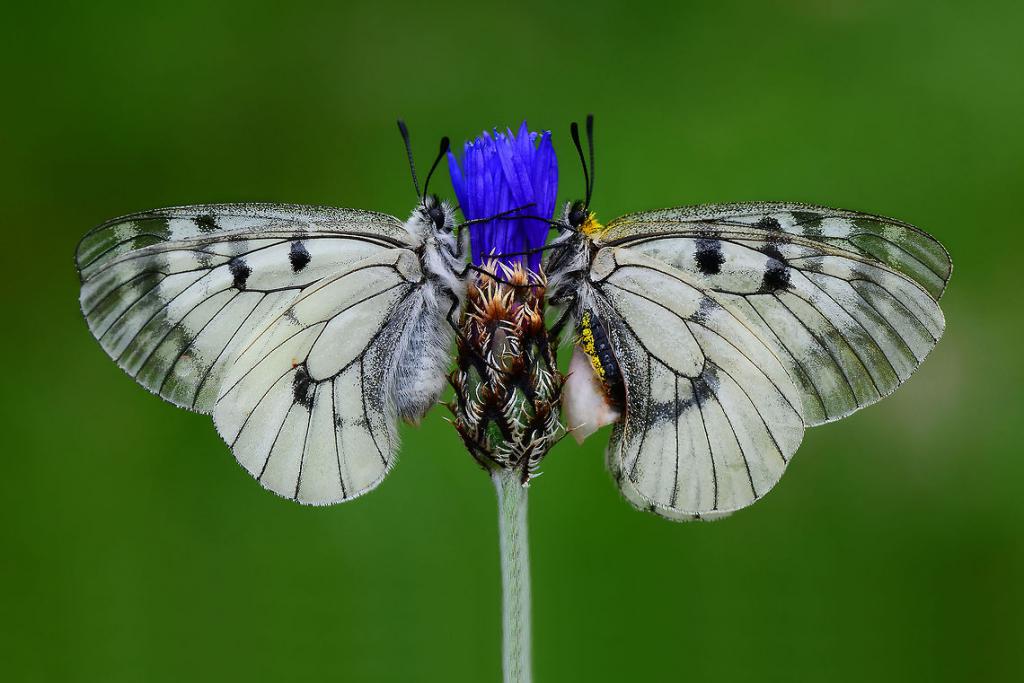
pixel 500 172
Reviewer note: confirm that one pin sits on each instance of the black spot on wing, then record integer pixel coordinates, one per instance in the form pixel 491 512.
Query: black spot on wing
pixel 769 223
pixel 204 259
pixel 341 422
pixel 303 388
pixel 205 223
pixel 240 271
pixel 299 256
pixel 704 385
pixel 776 274
pixel 772 251
pixel 709 256
pixel 665 411
pixel 776 277
pixel 808 220
pixel 705 309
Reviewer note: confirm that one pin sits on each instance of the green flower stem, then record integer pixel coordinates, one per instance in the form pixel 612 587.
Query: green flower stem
pixel 515 575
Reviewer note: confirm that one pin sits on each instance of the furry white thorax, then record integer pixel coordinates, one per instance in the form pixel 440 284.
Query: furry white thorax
pixel 569 260
pixel 423 354
pixel 443 253
pixel 567 269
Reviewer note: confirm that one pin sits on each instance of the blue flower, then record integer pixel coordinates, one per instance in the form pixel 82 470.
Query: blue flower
pixel 501 172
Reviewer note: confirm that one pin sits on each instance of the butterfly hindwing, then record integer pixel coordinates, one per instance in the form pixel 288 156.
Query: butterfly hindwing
pixel 711 415
pixel 309 406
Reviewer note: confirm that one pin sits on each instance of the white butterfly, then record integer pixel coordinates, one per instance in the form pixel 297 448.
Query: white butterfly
pixel 721 332
pixel 305 331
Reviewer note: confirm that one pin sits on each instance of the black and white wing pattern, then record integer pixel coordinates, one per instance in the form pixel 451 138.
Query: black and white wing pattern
pixel 202 304
pixel 309 405
pixel 711 415
pixel 846 303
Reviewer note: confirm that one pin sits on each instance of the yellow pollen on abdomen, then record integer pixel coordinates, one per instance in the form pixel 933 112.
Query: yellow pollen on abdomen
pixel 588 345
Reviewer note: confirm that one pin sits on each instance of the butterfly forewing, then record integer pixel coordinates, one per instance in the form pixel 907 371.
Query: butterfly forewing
pixel 224 223
pixel 170 294
pixel 849 327
pixel 898 245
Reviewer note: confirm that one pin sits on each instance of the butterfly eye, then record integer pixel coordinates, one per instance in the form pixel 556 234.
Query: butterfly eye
pixel 577 215
pixel 437 217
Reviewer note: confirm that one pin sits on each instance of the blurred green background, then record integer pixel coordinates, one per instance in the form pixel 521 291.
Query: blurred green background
pixel 133 548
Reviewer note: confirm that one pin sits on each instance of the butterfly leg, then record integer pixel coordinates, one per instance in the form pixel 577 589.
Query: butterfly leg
pixel 556 330
pixel 462 337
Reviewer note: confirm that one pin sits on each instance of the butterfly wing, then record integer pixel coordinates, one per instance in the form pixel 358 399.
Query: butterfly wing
pixel 813 313
pixel 711 415
pixel 284 322
pixel 847 301
pixel 900 246
pixel 309 405
pixel 171 294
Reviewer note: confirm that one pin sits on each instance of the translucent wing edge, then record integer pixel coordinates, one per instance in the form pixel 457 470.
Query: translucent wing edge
pixel 303 214
pixel 699 213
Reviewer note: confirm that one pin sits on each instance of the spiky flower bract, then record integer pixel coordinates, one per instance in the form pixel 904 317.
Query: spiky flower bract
pixel 507 385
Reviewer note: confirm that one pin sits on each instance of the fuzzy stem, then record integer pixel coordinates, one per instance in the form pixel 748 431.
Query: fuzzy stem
pixel 515 575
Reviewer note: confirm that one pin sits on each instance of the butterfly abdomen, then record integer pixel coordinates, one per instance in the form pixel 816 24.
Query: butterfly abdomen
pixel 423 357
pixel 596 345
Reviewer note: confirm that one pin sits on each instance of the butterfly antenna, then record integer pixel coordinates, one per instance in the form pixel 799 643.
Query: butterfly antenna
pixel 590 144
pixel 445 145
pixel 408 150
pixel 503 214
pixel 538 250
pixel 574 131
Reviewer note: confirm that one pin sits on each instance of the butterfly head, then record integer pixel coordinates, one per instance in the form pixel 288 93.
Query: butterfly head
pixel 576 214
pixel 436 216
pixel 433 221
pixel 578 218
